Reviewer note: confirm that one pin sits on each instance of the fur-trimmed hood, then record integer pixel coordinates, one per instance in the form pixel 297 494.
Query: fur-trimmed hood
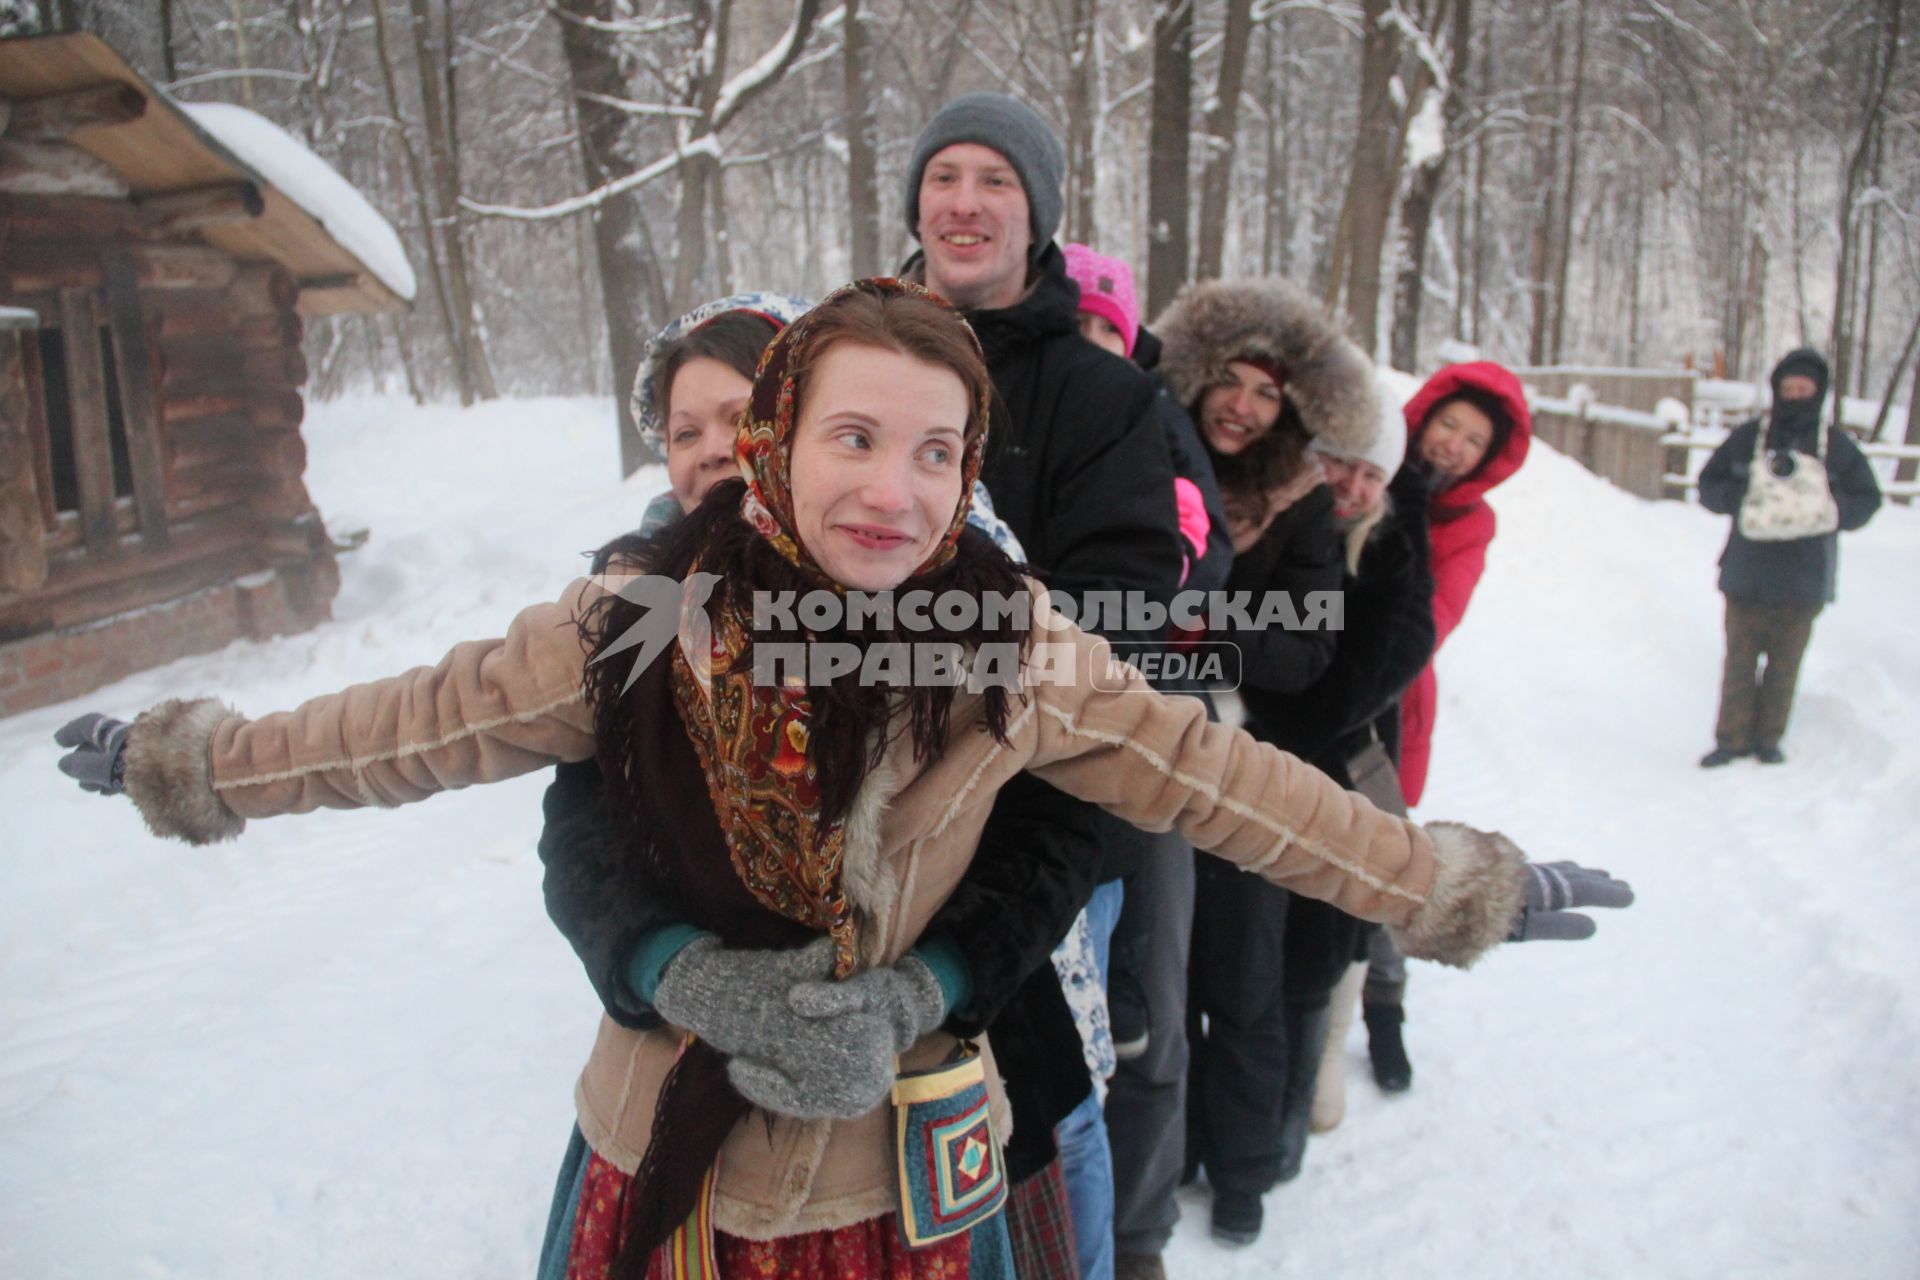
pixel 1329 379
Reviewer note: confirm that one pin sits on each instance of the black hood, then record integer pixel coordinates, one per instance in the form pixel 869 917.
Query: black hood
pixel 1147 348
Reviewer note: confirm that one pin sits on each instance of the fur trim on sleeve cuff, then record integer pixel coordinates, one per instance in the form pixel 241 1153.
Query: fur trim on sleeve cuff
pixel 1479 887
pixel 169 776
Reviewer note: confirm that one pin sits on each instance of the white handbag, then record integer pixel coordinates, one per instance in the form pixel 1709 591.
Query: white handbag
pixel 1799 504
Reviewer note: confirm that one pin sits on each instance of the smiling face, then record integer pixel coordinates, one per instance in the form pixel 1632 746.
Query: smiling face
pixel 876 465
pixel 1357 486
pixel 975 227
pixel 703 406
pixel 1236 413
pixel 1456 438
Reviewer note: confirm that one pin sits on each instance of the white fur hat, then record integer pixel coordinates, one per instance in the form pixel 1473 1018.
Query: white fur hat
pixel 1389 446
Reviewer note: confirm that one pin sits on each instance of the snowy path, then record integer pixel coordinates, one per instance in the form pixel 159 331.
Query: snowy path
pixel 345 1045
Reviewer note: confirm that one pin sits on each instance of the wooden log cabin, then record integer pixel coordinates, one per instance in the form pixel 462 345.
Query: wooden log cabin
pixel 152 294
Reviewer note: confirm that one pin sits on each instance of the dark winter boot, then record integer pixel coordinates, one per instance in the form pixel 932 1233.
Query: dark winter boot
pixel 1719 756
pixel 1306 1043
pixel 1127 1019
pixel 1138 1266
pixel 1770 755
pixel 1391 1070
pixel 1236 1218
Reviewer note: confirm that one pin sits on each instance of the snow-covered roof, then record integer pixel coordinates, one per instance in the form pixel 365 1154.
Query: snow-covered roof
pixel 313 184
pixel 342 254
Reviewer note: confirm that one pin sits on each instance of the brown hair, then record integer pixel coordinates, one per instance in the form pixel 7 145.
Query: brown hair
pixel 1248 477
pixel 734 338
pixel 851 722
pixel 909 324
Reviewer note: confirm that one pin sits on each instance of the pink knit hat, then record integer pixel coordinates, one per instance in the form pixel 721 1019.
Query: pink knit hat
pixel 1106 290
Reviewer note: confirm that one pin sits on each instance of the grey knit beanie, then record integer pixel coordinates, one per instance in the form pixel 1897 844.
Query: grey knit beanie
pixel 1012 128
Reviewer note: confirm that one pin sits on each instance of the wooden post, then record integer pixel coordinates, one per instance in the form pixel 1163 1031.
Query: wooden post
pixel 178 212
pixel 263 286
pixel 45 265
pixel 58 115
pixel 23 554
pixel 139 416
pixel 90 430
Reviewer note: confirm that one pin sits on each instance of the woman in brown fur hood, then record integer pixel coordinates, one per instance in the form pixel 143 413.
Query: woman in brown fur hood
pixel 1265 371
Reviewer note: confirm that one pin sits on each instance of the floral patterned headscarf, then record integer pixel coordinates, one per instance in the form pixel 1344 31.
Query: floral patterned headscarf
pixel 764 445
pixel 752 739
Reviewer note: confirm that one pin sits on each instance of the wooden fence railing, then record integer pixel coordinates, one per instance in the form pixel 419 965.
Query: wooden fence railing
pixel 1656 454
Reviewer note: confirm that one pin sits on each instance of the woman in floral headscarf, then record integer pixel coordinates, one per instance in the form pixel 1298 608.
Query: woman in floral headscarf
pixel 820 822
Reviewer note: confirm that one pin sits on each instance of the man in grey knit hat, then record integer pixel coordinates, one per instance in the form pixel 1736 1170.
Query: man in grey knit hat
pixel 1079 467
pixel 983 198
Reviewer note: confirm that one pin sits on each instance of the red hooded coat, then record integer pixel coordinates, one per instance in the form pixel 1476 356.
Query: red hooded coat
pixel 1462 526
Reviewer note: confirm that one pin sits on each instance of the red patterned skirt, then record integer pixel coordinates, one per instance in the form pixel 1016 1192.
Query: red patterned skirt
pixel 584 1237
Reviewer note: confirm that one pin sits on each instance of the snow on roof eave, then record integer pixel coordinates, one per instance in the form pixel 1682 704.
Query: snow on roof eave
pixel 312 184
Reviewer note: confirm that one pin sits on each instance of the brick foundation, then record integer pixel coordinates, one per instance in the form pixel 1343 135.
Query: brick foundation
pixel 57 665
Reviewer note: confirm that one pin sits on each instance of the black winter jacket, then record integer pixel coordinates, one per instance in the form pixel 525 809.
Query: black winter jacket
pixel 1188 454
pixel 1077 461
pixel 1385 642
pixel 1299 554
pixel 1800 570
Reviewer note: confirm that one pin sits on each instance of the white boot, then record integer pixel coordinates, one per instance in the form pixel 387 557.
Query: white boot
pixel 1330 1087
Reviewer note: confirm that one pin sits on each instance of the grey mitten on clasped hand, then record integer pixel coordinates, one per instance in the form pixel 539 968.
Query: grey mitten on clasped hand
pixel 1553 889
pixel 97 758
pixel 737 1001
pixel 870 1017
pixel 906 996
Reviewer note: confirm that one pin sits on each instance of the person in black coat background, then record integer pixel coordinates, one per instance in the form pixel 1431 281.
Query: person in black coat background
pixel 1776 586
pixel 1077 460
pixel 1386 639
pixel 1263 371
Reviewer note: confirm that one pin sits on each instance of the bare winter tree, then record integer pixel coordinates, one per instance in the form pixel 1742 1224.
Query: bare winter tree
pixel 1688 179
pixel 603 44
pixel 1436 125
pixel 1886 55
pixel 1222 126
pixel 1168 243
pixel 1355 276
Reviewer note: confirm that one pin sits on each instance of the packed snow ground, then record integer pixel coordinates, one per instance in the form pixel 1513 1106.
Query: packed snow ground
pixel 345 1045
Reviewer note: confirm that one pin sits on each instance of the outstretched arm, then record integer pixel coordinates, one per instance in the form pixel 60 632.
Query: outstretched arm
pixel 491 709
pixel 1449 892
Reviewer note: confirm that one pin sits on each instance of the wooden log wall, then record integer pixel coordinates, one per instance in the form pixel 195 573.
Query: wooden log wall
pixel 23 553
pixel 182 407
pixel 207 370
pixel 230 373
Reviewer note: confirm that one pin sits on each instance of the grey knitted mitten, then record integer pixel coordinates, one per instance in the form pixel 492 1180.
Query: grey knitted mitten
pixel 905 995
pixel 98 758
pixel 1553 888
pixel 869 1017
pixel 781 1061
pixel 736 999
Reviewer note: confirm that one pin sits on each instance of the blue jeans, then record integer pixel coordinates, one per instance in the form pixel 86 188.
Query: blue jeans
pixel 1086 1159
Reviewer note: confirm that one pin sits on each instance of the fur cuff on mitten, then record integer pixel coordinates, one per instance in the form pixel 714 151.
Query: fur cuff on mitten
pixel 170 776
pixel 1479 886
